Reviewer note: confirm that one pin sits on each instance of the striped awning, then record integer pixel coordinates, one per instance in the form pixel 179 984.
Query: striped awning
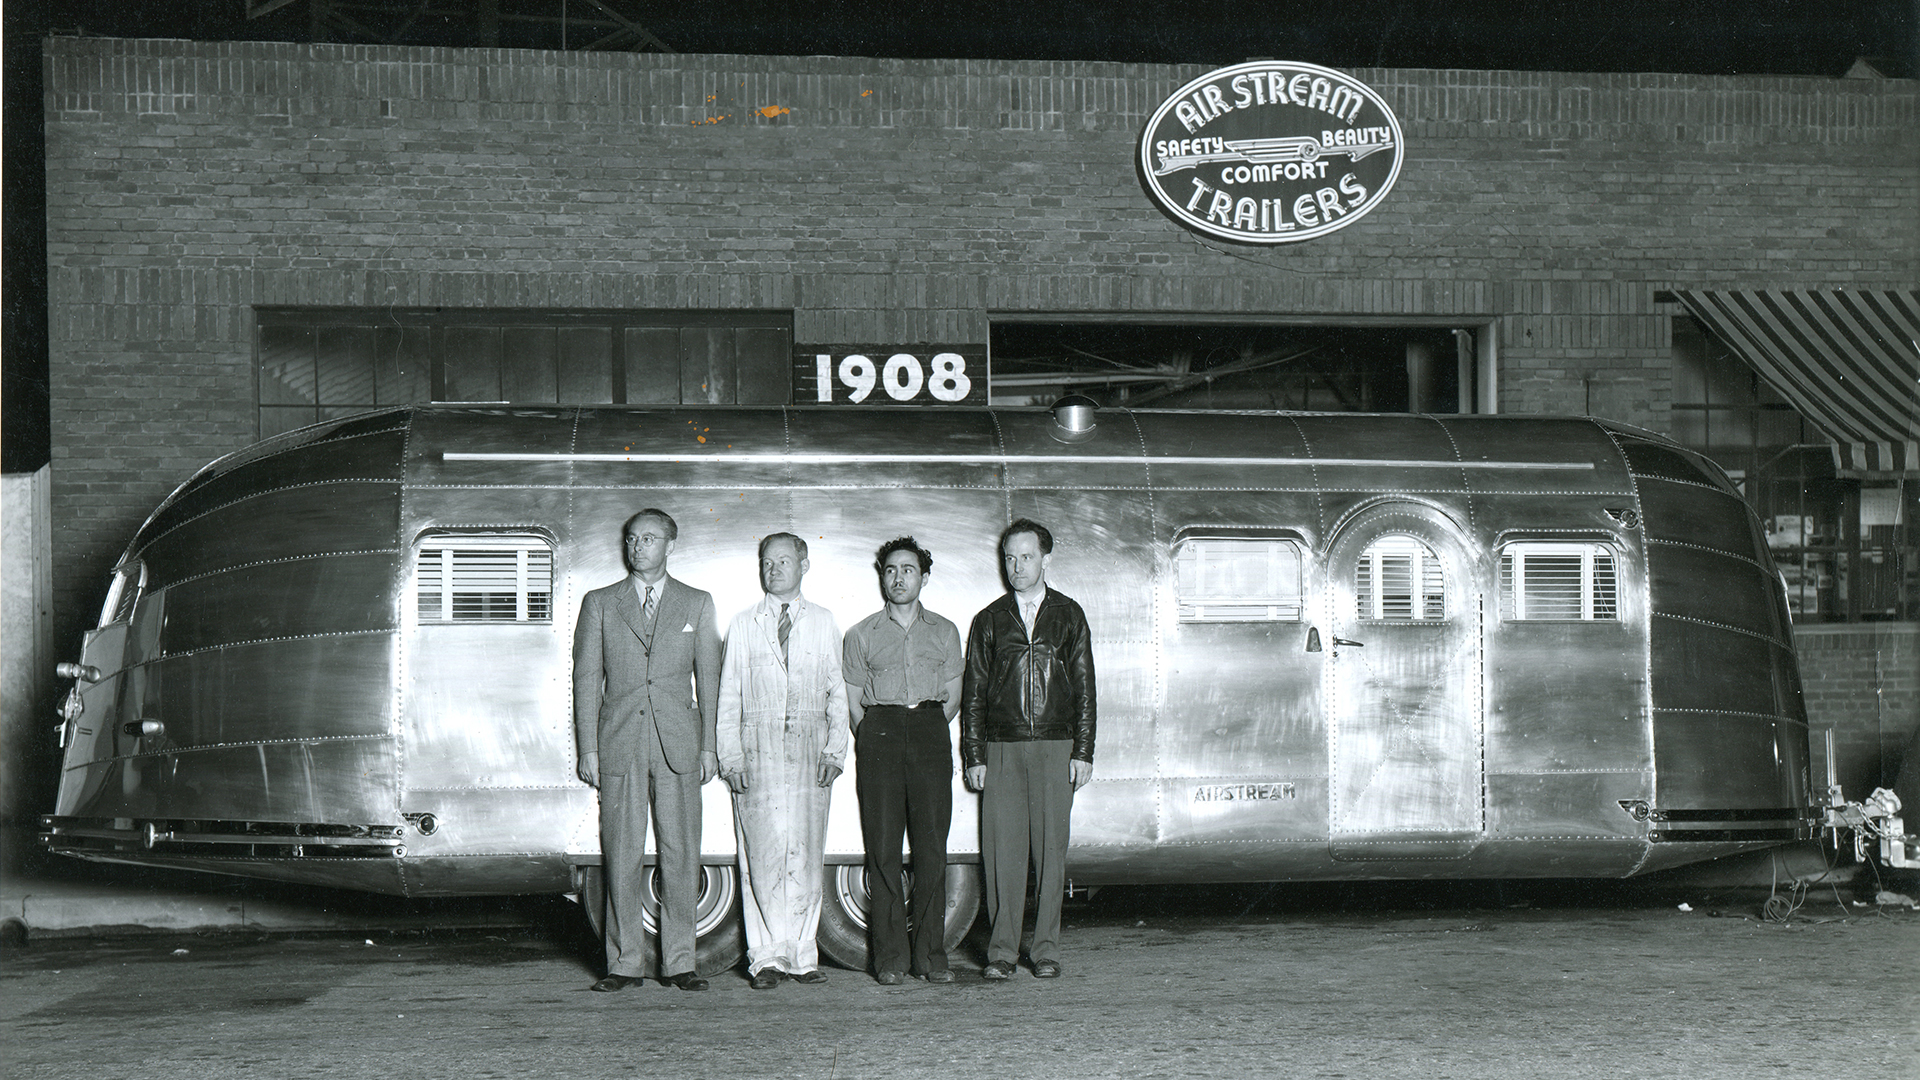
pixel 1849 360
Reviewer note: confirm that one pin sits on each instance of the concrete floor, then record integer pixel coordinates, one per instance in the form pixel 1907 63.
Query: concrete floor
pixel 1378 981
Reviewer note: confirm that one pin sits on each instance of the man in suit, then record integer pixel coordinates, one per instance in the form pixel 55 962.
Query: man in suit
pixel 646 670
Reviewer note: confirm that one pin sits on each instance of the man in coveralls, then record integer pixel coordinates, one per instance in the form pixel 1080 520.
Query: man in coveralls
pixel 783 740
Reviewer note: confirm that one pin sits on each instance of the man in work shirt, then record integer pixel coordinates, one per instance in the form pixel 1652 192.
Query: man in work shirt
pixel 1026 737
pixel 782 735
pixel 903 669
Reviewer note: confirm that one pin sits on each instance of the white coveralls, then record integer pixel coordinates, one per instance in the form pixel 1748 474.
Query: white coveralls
pixel 778 723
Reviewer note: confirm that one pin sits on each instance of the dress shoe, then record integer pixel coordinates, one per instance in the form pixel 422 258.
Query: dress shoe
pixel 765 979
pixel 811 978
pixel 618 982
pixel 997 971
pixel 686 980
pixel 944 975
pixel 887 978
pixel 1046 969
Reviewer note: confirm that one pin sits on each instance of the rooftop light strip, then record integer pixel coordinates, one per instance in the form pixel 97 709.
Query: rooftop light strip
pixel 1003 459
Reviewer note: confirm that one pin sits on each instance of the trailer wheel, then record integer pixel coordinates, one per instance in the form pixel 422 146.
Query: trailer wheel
pixel 843 911
pixel 720 940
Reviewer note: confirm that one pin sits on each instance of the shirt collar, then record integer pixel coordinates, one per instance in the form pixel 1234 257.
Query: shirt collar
pixel 769 606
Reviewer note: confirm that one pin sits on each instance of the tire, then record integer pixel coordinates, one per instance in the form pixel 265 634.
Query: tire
pixel 843 912
pixel 720 939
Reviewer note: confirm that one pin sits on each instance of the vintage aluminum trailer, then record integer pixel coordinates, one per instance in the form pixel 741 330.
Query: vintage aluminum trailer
pixel 1329 645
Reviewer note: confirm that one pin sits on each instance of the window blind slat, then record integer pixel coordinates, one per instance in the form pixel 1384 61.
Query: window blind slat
pixel 490 580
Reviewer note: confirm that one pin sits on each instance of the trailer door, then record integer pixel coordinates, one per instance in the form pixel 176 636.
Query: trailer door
pixel 1403 688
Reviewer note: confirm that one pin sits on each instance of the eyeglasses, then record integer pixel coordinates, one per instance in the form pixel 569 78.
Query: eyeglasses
pixel 645 540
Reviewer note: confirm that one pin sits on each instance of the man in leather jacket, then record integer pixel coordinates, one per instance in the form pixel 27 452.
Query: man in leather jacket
pixel 1026 738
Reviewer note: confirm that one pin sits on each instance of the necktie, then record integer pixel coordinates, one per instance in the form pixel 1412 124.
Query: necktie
pixel 646 610
pixel 786 626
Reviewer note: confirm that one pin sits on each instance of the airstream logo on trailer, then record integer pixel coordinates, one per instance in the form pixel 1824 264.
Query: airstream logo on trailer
pixel 1270 152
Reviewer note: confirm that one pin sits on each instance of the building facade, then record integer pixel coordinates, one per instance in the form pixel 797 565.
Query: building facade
pixel 245 237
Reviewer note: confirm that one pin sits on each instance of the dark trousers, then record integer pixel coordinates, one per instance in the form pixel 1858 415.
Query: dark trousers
pixel 1024 811
pixel 906 789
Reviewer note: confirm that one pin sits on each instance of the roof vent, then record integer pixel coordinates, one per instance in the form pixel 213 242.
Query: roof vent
pixel 1073 418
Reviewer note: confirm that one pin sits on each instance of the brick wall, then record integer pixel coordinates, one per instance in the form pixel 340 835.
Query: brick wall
pixel 1863 683
pixel 880 200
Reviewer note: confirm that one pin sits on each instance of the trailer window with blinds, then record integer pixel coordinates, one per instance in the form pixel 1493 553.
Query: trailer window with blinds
pixel 1230 579
pixel 1558 582
pixel 1400 579
pixel 471 579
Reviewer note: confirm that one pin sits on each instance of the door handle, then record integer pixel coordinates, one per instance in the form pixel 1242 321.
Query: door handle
pixel 1353 644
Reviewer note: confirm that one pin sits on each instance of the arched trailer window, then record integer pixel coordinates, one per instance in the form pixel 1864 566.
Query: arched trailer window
pixel 1398 578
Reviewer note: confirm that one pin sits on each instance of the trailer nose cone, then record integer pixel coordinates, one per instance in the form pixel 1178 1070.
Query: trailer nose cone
pixel 1073 418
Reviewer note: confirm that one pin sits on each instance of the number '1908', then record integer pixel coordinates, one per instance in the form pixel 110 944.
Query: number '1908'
pixel 901 377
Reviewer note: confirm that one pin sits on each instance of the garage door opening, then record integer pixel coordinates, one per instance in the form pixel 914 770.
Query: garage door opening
pixel 1423 369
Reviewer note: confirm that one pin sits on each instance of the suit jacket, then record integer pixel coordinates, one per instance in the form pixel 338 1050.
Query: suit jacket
pixel 633 684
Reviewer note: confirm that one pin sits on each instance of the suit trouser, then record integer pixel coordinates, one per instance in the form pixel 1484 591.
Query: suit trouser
pixel 1025 809
pixel 906 788
pixel 675 800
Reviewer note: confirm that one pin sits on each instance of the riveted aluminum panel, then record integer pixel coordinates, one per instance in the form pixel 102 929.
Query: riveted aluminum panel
pixel 486 875
pixel 342 594
pixel 1710 587
pixel 1224 452
pixel 549 433
pixel 360 454
pixel 346 780
pixel 1564 456
pixel 1242 700
pixel 380 875
pixel 863 448
pixel 1500 518
pixel 1109 459
pixel 1385 454
pixel 663 451
pixel 1102 556
pixel 1698 515
pixel 271 691
pixel 1118 815
pixel 525 510
pixel 1128 737
pixel 1658 461
pixel 488 706
pixel 1266 813
pixel 500 820
pixel 1709 668
pixel 324 519
pixel 1717 760
pixel 1567 697
pixel 1565 805
pixel 1200 511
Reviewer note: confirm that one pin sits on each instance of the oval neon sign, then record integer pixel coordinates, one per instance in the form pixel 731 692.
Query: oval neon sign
pixel 1270 152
